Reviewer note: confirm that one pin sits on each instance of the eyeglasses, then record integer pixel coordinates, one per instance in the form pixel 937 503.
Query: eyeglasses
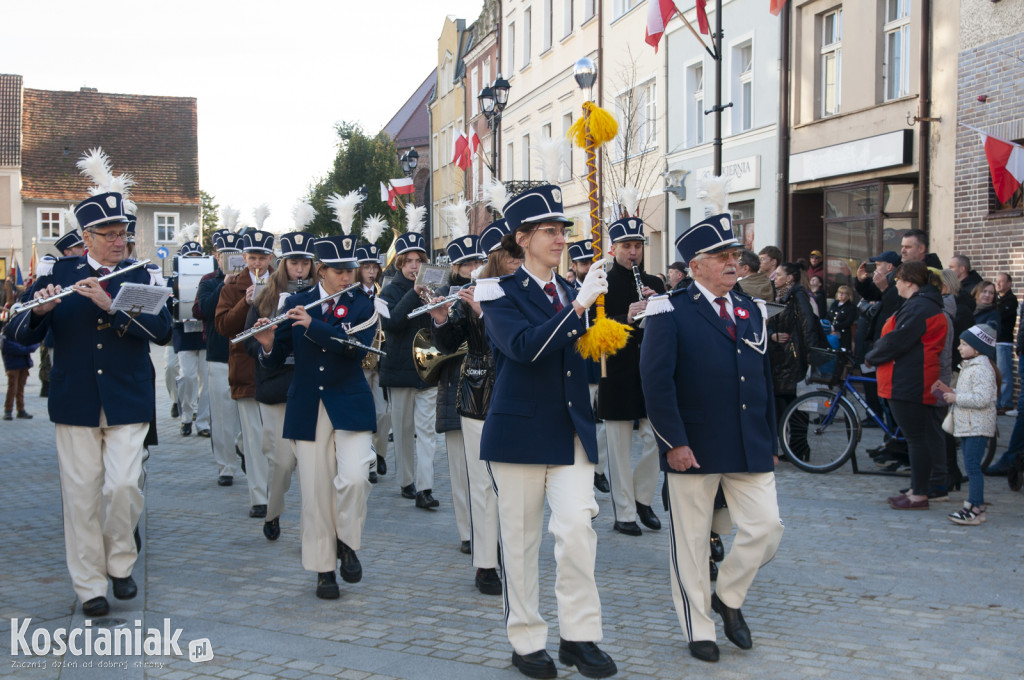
pixel 726 256
pixel 110 236
pixel 551 232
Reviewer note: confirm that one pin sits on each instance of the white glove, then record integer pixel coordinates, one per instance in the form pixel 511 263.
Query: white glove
pixel 594 285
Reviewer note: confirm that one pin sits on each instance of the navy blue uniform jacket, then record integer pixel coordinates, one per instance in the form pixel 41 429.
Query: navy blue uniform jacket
pixel 541 397
pixel 100 360
pixel 707 391
pixel 325 370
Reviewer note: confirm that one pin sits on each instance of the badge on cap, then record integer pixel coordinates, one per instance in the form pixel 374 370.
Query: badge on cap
pixel 111 202
pixel 556 194
pixel 259 236
pixel 468 242
pixel 741 313
pixel 298 239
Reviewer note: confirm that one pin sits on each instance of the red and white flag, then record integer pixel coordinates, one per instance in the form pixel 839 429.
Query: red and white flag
pixel 658 14
pixel 775 8
pixel 474 143
pixel 387 194
pixel 1006 163
pixel 403 186
pixel 460 150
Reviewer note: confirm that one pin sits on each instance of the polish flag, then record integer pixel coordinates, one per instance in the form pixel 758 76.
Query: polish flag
pixel 474 143
pixel 387 194
pixel 1006 163
pixel 658 14
pixel 403 186
pixel 774 9
pixel 460 150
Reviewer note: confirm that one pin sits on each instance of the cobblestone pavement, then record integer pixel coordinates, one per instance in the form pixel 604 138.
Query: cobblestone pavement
pixel 856 591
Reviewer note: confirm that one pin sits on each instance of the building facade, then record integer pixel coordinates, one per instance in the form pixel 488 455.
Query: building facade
pixel 482 66
pixel 410 130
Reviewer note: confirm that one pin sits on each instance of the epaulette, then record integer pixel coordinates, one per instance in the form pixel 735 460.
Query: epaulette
pixel 660 304
pixel 489 289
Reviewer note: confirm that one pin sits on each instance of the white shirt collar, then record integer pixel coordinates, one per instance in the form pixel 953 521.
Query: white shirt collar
pixel 559 293
pixel 711 299
pixel 96 265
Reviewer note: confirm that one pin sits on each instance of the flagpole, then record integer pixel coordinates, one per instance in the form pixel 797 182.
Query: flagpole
pixel 695 33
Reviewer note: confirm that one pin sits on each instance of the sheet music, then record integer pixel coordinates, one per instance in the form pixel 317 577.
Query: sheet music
pixel 139 298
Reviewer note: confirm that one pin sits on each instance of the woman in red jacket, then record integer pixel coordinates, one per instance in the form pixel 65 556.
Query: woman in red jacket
pixel 907 356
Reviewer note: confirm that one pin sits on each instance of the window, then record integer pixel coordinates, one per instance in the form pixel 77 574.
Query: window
pixel 743 222
pixel 623 6
pixel 510 162
pixel 50 220
pixel 445 74
pixel 831 61
pixel 549 20
pixel 527 30
pixel 475 80
pixel 545 131
pixel 568 10
pixel 743 70
pixel 897 48
pixel 695 122
pixel 512 47
pixel 166 225
pixel 567 169
pixel 488 76
pixel 589 9
pixel 637 111
pixel 526 158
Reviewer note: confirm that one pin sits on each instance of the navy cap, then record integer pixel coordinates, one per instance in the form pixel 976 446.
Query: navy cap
pixel 581 250
pixel 627 229
pixel 410 241
pixel 190 248
pixel 68 240
pixel 490 238
pixel 464 249
pixel 256 241
pixel 132 221
pixel 712 235
pixel 889 256
pixel 101 209
pixel 368 253
pixel 539 204
pixel 226 242
pixel 298 244
pixel 338 252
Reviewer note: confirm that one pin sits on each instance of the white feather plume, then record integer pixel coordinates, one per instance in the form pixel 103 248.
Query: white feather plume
pixel 457 215
pixel 715 190
pixel 551 158
pixel 260 214
pixel 70 220
pixel 497 195
pixel 344 208
pixel 95 164
pixel 415 218
pixel 188 232
pixel 629 200
pixel 122 184
pixel 229 218
pixel 374 228
pixel 129 206
pixel 303 213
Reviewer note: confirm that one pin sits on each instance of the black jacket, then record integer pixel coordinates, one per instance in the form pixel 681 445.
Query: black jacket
pixel 447 416
pixel 476 376
pixel 397 368
pixel 271 383
pixel 620 395
pixel 205 309
pixel 1007 305
pixel 969 282
pixel 789 359
pixel 890 301
pixel 842 318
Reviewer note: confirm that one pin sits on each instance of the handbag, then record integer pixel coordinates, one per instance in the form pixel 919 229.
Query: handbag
pixel 947 422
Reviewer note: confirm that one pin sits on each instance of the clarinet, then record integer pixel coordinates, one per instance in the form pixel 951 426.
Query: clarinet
pixel 639 291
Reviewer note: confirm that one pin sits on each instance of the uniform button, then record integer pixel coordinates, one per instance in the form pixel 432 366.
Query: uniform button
pixel 569 335
pixel 568 374
pixel 743 378
pixel 574 332
pixel 321 368
pixel 323 350
pixel 99 345
pixel 99 372
pixel 739 352
pixel 322 389
pixel 744 407
pixel 570 404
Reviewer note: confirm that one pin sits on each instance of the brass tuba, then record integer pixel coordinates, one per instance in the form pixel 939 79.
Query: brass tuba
pixel 371 362
pixel 428 359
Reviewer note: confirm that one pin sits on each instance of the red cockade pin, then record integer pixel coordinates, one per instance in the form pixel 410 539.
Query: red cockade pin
pixel 340 312
pixel 742 313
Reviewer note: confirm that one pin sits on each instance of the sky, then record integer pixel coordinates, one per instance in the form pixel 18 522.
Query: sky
pixel 271 78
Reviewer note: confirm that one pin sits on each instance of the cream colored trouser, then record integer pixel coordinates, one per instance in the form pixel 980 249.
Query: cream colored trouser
pixel 334 488
pixel 224 425
pixel 100 478
pixel 755 509
pixel 280 453
pixel 630 486
pixel 257 467
pixel 414 410
pixel 193 388
pixel 383 410
pixel 602 437
pixel 569 490
pixel 483 504
pixel 457 472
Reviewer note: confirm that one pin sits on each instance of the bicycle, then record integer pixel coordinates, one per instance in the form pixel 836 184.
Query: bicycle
pixel 820 430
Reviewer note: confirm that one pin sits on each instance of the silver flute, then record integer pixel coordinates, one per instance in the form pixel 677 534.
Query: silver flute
pixel 18 308
pixel 359 345
pixel 452 297
pixel 246 334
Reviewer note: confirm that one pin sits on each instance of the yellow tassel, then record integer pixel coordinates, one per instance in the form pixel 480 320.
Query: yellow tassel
pixel 603 126
pixel 603 337
pixel 578 133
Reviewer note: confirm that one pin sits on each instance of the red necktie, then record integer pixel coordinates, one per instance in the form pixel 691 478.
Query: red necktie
pixel 551 292
pixel 729 325
pixel 103 271
pixel 330 309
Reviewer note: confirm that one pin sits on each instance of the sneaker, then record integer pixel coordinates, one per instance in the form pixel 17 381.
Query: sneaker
pixel 1012 413
pixel 969 515
pixel 8 415
pixel 933 495
pixel 24 415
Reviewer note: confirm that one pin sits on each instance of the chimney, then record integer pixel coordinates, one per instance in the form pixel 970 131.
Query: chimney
pixel 89 89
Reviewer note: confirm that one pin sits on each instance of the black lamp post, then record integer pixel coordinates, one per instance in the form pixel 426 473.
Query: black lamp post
pixel 493 99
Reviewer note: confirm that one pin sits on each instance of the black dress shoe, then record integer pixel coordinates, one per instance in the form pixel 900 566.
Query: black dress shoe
pixel 203 433
pixel 24 415
pixel 8 415
pixel 225 480
pixel 488 582
pixel 327 586
pixel 713 569
pixel 272 529
pixel 391 436
pixel 717 547
pixel 647 516
pixel 351 571
pixel 425 500
pixel 465 548
pixel 174 410
pixel 409 491
pixel 735 627
pixel 186 429
pixel 124 588
pixel 373 477
pixel 382 466
pixel 258 511
pixel 705 650
pixel 601 483
pixel 628 528
pixel 535 665
pixel 97 606
pixel 589 660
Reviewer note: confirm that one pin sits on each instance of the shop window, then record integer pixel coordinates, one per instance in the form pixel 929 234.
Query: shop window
pixel 743 222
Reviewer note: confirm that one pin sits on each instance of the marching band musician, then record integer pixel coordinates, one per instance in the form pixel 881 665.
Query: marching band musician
pixel 192 380
pixel 708 389
pixel 539 438
pixel 224 425
pixel 476 382
pixel 294 274
pixel 70 244
pixel 236 297
pixel 620 397
pixel 413 402
pixel 102 399
pixel 329 412
pixel 368 257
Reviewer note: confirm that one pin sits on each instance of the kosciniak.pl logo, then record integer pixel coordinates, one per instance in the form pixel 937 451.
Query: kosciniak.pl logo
pixel 88 640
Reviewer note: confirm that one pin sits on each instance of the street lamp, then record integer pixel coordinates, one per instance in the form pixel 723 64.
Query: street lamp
pixel 493 99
